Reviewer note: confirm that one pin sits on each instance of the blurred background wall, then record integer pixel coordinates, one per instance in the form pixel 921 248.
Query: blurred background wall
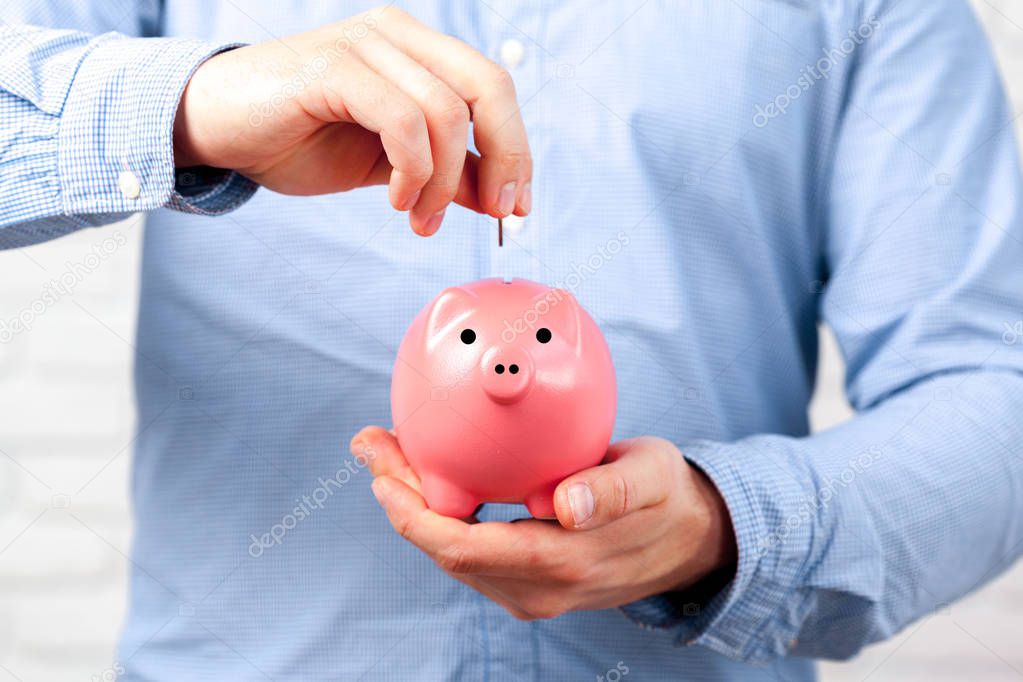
pixel 66 430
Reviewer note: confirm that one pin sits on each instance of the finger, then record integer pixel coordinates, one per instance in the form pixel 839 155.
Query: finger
pixel 468 185
pixel 382 454
pixel 635 476
pixel 491 548
pixel 523 599
pixel 467 194
pixel 381 107
pixel 498 129
pixel 447 118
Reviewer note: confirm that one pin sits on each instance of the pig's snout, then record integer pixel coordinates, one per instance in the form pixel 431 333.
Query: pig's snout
pixel 506 374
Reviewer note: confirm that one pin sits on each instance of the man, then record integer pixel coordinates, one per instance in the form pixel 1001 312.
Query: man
pixel 710 179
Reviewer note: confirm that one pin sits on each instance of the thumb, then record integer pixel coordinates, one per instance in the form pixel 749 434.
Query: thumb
pixel 635 476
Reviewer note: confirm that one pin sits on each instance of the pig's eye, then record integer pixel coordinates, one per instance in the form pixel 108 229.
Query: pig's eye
pixel 543 334
pixel 468 336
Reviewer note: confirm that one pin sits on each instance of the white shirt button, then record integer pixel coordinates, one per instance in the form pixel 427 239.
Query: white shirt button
pixel 513 224
pixel 512 52
pixel 129 184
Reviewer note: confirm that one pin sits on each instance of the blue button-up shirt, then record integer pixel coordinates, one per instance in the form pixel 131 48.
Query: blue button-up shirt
pixel 713 178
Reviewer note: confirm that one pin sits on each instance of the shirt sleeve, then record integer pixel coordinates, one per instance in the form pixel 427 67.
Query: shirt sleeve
pixel 848 535
pixel 86 132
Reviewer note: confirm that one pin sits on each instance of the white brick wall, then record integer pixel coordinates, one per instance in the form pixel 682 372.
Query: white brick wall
pixel 67 418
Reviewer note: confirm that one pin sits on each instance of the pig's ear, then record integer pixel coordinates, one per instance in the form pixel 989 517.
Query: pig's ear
pixel 452 306
pixel 559 311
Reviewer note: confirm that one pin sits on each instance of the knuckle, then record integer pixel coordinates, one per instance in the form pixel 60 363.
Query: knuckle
pixel 444 105
pixel 526 166
pixel 421 171
pixel 409 124
pixel 501 80
pixel 405 528
pixel 443 186
pixel 451 112
pixel 533 557
pixel 535 561
pixel 671 468
pixel 390 11
pixel 410 127
pixel 514 159
pixel 620 494
pixel 455 559
pixel 573 572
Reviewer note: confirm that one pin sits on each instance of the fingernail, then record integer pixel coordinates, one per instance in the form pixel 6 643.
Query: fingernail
pixel 433 224
pixel 357 446
pixel 411 201
pixel 527 197
pixel 506 199
pixel 580 499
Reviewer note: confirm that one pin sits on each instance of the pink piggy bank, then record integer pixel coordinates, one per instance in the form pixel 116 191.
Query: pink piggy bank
pixel 501 390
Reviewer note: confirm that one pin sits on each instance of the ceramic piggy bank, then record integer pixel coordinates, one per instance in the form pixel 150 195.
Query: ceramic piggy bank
pixel 501 390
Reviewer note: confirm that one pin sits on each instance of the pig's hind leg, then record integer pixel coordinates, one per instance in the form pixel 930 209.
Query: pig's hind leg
pixel 447 499
pixel 540 502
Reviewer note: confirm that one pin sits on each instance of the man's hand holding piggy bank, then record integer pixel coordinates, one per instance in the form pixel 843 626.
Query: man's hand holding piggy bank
pixel 504 392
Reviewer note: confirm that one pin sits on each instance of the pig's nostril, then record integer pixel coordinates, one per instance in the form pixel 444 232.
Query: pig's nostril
pixel 514 369
pixel 500 368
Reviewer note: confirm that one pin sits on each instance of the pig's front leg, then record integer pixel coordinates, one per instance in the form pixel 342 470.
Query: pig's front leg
pixel 448 499
pixel 540 502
